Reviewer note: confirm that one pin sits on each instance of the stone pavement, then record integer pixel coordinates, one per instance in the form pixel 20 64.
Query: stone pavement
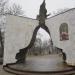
pixel 2 72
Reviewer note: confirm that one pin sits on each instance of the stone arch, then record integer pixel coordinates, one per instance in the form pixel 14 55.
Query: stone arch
pixel 64 32
pixel 21 55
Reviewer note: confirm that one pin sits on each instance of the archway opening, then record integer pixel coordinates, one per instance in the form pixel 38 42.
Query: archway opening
pixel 43 45
pixel 64 32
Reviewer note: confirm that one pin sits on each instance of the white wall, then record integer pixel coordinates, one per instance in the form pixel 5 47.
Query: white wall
pixel 68 46
pixel 18 34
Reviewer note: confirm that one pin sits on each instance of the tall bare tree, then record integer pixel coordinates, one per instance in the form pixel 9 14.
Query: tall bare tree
pixel 15 10
pixel 3 6
pixel 60 11
pixel 2 22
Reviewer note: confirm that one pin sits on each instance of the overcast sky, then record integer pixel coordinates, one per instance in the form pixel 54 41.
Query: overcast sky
pixel 43 35
pixel 31 7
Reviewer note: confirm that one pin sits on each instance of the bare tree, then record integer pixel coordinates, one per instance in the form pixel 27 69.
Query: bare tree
pixel 2 44
pixel 3 6
pixel 60 11
pixel 15 10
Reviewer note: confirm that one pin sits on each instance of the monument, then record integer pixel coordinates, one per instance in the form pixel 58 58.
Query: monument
pixel 20 36
pixel 41 17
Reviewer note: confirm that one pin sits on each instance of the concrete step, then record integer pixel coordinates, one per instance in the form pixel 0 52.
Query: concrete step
pixel 19 72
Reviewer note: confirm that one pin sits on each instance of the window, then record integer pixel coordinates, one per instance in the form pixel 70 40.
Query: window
pixel 64 32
